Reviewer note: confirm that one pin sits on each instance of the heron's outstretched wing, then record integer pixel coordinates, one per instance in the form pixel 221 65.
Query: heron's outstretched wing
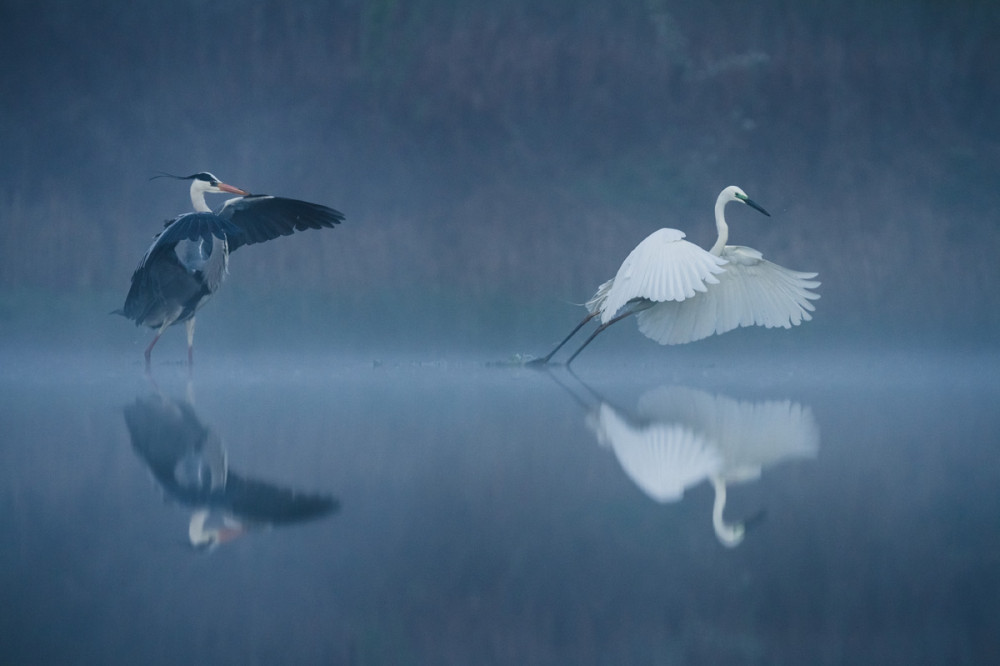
pixel 663 267
pixel 261 218
pixel 751 291
pixel 265 502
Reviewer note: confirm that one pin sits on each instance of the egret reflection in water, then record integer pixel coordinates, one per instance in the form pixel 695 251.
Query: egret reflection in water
pixel 677 437
pixel 189 461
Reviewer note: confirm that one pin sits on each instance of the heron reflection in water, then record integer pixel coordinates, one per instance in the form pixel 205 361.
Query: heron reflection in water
pixel 189 461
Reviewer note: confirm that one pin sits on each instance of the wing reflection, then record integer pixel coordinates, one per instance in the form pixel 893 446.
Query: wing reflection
pixel 189 461
pixel 678 437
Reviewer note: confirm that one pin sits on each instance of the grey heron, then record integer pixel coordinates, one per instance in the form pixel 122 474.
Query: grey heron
pixel 189 259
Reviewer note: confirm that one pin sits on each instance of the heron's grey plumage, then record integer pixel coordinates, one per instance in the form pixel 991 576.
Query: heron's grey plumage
pixel 189 259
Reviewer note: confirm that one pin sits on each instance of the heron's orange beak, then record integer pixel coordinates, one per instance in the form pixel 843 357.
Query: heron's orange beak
pixel 229 533
pixel 232 190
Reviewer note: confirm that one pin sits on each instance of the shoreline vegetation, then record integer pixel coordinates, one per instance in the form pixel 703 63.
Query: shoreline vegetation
pixel 516 148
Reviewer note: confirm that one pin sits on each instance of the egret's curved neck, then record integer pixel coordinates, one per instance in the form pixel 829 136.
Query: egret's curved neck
pixel 720 225
pixel 728 535
pixel 198 198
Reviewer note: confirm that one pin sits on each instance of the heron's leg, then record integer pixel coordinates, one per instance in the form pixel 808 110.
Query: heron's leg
pixel 189 324
pixel 149 349
pixel 597 331
pixel 545 359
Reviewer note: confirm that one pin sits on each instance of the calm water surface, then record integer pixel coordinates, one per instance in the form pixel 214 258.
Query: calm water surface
pixel 318 511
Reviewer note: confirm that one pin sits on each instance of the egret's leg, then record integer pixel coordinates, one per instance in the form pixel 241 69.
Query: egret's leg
pixel 596 332
pixel 545 359
pixel 149 349
pixel 189 324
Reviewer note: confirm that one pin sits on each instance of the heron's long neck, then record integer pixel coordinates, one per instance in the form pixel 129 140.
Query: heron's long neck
pixel 198 199
pixel 721 226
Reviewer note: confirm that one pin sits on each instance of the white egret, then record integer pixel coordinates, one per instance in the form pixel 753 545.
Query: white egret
pixel 682 293
pixel 189 259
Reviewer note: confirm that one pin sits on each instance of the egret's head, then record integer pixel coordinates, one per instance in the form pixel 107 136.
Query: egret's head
pixel 733 193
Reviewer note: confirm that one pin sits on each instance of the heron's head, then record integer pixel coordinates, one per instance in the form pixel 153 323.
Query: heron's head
pixel 206 182
pixel 733 193
pixel 203 182
pixel 206 537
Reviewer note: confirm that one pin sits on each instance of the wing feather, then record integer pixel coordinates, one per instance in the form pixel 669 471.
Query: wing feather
pixel 663 459
pixel 193 227
pixel 751 291
pixel 262 218
pixel 663 267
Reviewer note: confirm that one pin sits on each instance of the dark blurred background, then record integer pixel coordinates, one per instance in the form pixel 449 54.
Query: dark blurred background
pixel 497 160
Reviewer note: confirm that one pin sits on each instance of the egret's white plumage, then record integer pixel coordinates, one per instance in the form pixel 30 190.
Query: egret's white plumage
pixel 679 437
pixel 750 291
pixel 662 268
pixel 682 293
pixel 663 459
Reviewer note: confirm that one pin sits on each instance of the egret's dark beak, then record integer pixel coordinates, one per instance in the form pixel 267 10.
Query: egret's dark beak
pixel 236 190
pixel 750 202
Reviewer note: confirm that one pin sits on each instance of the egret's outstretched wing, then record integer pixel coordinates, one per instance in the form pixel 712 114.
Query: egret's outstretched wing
pixel 262 217
pixel 750 435
pixel 751 291
pixel 663 267
pixel 663 459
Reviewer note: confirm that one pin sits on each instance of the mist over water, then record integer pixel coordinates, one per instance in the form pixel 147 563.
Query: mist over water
pixel 489 512
pixel 359 469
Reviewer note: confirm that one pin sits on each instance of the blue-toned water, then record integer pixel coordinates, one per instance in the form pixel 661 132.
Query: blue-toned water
pixel 840 509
